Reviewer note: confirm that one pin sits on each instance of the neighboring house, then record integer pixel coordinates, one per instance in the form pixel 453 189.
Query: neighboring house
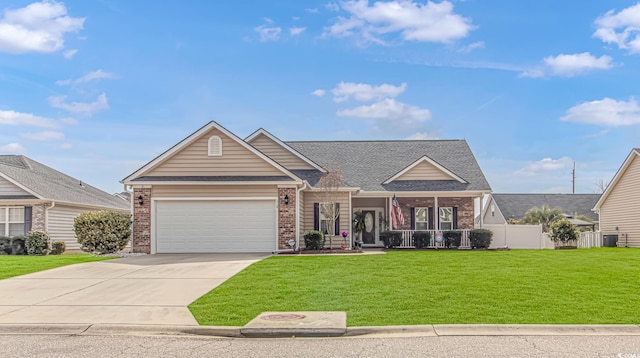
pixel 125 195
pixel 36 197
pixel 215 192
pixel 499 208
pixel 619 206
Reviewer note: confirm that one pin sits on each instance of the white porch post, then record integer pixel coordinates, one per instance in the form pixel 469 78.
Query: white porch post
pixel 481 211
pixel 436 214
pixel 389 207
pixel 350 222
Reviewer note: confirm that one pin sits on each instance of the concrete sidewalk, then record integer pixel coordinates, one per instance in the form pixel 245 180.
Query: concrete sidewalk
pixel 146 290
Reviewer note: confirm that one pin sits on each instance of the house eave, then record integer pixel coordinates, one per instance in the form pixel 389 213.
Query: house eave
pixel 143 183
pixel 623 168
pixel 407 194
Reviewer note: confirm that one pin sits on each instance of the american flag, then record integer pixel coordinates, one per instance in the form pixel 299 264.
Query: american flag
pixel 398 218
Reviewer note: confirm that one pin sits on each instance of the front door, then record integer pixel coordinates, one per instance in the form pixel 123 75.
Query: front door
pixel 369 232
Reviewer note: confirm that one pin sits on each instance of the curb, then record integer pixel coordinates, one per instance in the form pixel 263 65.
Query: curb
pixel 351 332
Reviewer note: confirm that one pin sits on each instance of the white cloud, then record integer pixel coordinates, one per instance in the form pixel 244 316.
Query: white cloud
pixel 69 120
pixel 43 136
pixel 390 114
pixel 65 146
pixel 414 21
pixel 622 28
pixel 332 6
pixel 12 148
pixel 319 92
pixel 268 33
pixel 38 27
pixel 312 10
pixel 80 107
pixel 605 112
pixel 470 47
pixel 365 92
pixel 570 65
pixel 25 119
pixel 421 136
pixel 91 76
pixel 296 30
pixel 69 53
pixel 545 165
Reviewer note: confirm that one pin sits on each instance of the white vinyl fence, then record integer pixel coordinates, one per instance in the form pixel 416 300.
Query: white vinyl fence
pixel 532 237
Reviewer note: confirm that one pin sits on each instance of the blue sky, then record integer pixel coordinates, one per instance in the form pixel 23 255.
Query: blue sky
pixel 98 88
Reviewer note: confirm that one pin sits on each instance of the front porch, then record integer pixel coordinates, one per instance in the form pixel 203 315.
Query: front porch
pixel 436 239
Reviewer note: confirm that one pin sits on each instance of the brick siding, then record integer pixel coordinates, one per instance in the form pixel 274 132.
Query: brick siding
pixel 286 217
pixel 464 205
pixel 142 221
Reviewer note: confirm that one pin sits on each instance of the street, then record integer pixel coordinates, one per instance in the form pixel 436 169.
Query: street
pixel 190 346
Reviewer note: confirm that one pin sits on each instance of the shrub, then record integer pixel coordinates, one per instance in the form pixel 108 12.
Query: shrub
pixel 564 231
pixel 17 245
pixel 452 238
pixel 5 245
pixel 314 240
pixel 421 239
pixel 37 243
pixel 391 238
pixel 480 238
pixel 102 232
pixel 58 247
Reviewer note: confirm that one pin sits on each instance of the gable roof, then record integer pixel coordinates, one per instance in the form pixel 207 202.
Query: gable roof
pixel 46 183
pixel 137 175
pixel 514 206
pixel 368 164
pixel 428 160
pixel 262 131
pixel 635 152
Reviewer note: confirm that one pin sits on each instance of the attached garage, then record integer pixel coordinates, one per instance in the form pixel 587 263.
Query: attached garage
pixel 212 226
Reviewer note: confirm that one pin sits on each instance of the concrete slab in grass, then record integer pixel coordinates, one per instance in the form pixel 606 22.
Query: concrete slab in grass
pixel 299 324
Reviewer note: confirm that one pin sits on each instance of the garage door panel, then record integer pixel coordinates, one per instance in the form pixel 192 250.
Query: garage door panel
pixel 215 226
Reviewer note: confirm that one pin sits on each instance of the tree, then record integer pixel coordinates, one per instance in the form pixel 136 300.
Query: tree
pixel 542 215
pixel 601 185
pixel 330 184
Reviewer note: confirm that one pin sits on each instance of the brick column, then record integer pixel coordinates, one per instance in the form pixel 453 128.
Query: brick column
pixel 142 221
pixel 38 218
pixel 286 217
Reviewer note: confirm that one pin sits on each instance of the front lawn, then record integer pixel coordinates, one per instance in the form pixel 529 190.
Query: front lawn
pixel 586 286
pixel 21 265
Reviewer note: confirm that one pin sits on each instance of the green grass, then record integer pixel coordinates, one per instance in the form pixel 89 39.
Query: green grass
pixel 586 286
pixel 21 265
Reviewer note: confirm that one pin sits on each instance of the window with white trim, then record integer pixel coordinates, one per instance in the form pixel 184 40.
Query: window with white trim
pixel 11 221
pixel 421 218
pixel 324 224
pixel 215 146
pixel 446 218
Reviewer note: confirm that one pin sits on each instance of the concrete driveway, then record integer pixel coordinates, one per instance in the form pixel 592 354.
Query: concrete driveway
pixel 151 289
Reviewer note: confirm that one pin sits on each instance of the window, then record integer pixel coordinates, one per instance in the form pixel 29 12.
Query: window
pixel 215 146
pixel 446 218
pixel 11 221
pixel 422 218
pixel 323 218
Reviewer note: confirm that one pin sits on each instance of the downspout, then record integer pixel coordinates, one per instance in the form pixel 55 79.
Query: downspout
pixel 46 216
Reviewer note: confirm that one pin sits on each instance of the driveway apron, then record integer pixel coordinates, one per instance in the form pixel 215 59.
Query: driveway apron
pixel 150 289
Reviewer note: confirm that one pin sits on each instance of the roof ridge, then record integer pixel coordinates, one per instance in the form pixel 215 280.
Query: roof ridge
pixel 375 140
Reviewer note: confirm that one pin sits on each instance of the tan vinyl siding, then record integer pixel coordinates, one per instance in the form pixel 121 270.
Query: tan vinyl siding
pixel 425 171
pixel 194 160
pixel 8 188
pixel 209 191
pixel 310 198
pixel 60 225
pixel 622 207
pixel 276 152
pixel 498 218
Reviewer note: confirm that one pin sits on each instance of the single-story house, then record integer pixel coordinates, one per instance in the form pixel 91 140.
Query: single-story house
pixel 215 192
pixel 34 196
pixel 499 208
pixel 619 206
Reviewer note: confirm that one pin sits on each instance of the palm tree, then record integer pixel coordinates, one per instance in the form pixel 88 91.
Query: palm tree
pixel 542 215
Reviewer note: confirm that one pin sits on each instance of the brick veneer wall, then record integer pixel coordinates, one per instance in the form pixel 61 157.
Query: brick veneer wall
pixel 464 205
pixel 142 221
pixel 38 218
pixel 286 217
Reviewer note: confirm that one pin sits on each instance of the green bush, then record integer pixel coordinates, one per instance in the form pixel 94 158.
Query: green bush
pixel 564 231
pixel 37 243
pixel 58 247
pixel 421 239
pixel 314 240
pixel 5 245
pixel 391 239
pixel 480 238
pixel 102 232
pixel 17 245
pixel 452 238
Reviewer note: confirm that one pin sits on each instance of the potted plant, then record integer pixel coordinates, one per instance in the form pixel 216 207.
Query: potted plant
pixel 358 226
pixel 564 234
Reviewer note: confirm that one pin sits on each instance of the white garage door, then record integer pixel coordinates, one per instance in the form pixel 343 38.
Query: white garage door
pixel 215 226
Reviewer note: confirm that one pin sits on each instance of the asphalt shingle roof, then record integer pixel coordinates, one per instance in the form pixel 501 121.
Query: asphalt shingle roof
pixel 516 205
pixel 367 164
pixel 51 184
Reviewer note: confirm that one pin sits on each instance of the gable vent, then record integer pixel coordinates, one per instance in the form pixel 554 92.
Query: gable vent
pixel 215 146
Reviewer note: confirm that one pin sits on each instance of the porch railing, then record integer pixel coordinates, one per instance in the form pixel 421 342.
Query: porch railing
pixel 436 240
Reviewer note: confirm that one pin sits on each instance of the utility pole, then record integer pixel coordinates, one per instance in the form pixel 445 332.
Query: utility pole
pixel 573 177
